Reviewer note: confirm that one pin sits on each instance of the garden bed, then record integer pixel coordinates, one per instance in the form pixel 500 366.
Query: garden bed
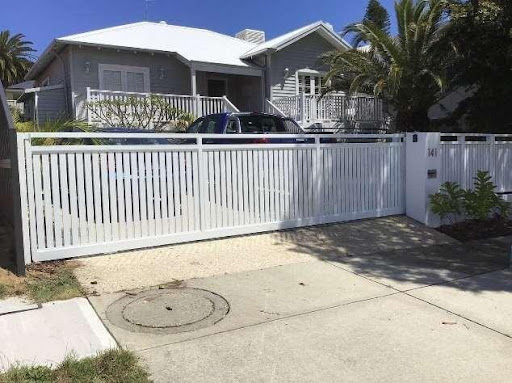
pixel 475 229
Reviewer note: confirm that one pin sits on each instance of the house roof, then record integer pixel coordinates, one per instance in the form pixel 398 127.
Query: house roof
pixel 191 45
pixel 282 41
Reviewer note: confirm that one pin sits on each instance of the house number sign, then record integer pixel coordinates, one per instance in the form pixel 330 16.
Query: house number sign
pixel 432 152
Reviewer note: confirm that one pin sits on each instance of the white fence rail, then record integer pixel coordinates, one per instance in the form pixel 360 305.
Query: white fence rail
pixel 331 107
pixel 196 105
pixel 463 155
pixel 86 199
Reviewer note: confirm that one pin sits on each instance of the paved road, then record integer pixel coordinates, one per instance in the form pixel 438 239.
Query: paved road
pixel 421 311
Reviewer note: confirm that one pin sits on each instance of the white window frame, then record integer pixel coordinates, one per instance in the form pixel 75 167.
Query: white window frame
pixel 124 69
pixel 308 72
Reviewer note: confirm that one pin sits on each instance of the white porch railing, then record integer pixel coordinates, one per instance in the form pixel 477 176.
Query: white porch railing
pixel 331 107
pixel 196 105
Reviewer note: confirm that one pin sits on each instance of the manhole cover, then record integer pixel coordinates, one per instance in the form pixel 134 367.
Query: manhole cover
pixel 168 311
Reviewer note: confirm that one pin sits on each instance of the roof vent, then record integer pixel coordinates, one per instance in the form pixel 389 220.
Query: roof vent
pixel 251 35
pixel 162 22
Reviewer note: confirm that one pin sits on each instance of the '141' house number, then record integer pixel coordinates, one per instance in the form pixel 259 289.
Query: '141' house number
pixel 432 152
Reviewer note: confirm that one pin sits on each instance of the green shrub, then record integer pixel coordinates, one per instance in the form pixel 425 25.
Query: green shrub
pixel 478 203
pixel 447 203
pixel 140 112
pixel 482 201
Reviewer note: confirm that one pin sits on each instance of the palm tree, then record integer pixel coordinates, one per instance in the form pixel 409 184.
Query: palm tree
pixel 404 70
pixel 15 57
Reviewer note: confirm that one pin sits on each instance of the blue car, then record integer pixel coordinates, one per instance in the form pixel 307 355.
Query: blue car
pixel 247 123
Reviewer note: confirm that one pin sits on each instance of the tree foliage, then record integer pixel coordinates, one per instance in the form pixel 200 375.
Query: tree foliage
pixel 405 70
pixel 15 57
pixel 481 33
pixel 378 15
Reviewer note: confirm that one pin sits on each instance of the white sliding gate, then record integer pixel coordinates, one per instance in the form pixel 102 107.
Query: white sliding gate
pixel 92 199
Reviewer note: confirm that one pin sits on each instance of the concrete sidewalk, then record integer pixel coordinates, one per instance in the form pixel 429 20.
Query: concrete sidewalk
pixel 48 334
pixel 337 321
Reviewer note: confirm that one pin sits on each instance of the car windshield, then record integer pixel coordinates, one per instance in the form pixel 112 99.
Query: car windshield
pixel 207 125
pixel 260 124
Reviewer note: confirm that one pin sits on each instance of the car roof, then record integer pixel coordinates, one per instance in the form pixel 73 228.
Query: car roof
pixel 239 114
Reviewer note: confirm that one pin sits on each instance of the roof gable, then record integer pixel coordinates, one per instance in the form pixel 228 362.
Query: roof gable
pixel 283 41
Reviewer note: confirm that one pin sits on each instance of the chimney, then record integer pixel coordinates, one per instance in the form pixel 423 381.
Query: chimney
pixel 251 35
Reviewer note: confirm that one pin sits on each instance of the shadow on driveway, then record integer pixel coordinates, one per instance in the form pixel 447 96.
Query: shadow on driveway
pixel 402 253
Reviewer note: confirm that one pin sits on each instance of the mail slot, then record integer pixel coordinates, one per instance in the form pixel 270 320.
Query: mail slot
pixel 432 173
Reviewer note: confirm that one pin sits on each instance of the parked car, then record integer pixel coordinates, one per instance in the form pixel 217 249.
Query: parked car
pixel 247 123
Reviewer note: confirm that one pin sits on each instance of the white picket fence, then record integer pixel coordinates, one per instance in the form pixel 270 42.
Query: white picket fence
pixel 463 155
pixel 93 199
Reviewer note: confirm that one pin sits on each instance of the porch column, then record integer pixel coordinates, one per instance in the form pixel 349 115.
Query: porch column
pixel 193 81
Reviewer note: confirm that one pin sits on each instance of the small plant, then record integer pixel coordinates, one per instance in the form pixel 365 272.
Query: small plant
pixel 447 203
pixel 478 203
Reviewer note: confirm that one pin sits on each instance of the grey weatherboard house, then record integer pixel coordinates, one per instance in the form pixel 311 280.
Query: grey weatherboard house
pixel 197 70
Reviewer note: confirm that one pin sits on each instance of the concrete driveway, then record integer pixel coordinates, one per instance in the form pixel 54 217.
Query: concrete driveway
pixel 395 309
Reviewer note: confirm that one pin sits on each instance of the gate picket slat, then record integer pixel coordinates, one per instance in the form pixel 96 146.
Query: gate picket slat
pixel 56 201
pixel 150 197
pixel 73 200
pixel 100 234
pixel 84 235
pixel 127 178
pixel 105 200
pixel 143 177
pixel 112 179
pixel 136 200
pixel 157 207
pixel 196 194
pixel 178 203
pixel 119 175
pixel 47 193
pixel 170 193
pixel 163 193
pixel 38 197
pixel 89 198
pixel 187 169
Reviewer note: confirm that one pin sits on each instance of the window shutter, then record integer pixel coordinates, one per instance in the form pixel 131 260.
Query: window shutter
pixel 135 82
pixel 112 80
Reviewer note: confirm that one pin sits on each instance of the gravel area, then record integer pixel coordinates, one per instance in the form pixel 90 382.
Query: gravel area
pixel 156 266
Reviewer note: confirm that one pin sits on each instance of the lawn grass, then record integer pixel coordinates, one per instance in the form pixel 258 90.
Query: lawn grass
pixel 44 282
pixel 108 367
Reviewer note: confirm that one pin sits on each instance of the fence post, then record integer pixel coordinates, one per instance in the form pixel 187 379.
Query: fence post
pixel 422 175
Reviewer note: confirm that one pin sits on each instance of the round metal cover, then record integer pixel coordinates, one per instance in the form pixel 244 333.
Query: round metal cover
pixel 168 311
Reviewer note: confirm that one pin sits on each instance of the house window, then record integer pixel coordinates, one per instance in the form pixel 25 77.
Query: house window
pixel 309 84
pixel 124 78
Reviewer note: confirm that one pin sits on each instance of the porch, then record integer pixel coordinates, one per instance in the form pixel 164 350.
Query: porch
pixel 94 110
pixel 330 110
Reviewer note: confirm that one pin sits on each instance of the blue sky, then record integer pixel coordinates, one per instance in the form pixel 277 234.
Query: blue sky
pixel 43 20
